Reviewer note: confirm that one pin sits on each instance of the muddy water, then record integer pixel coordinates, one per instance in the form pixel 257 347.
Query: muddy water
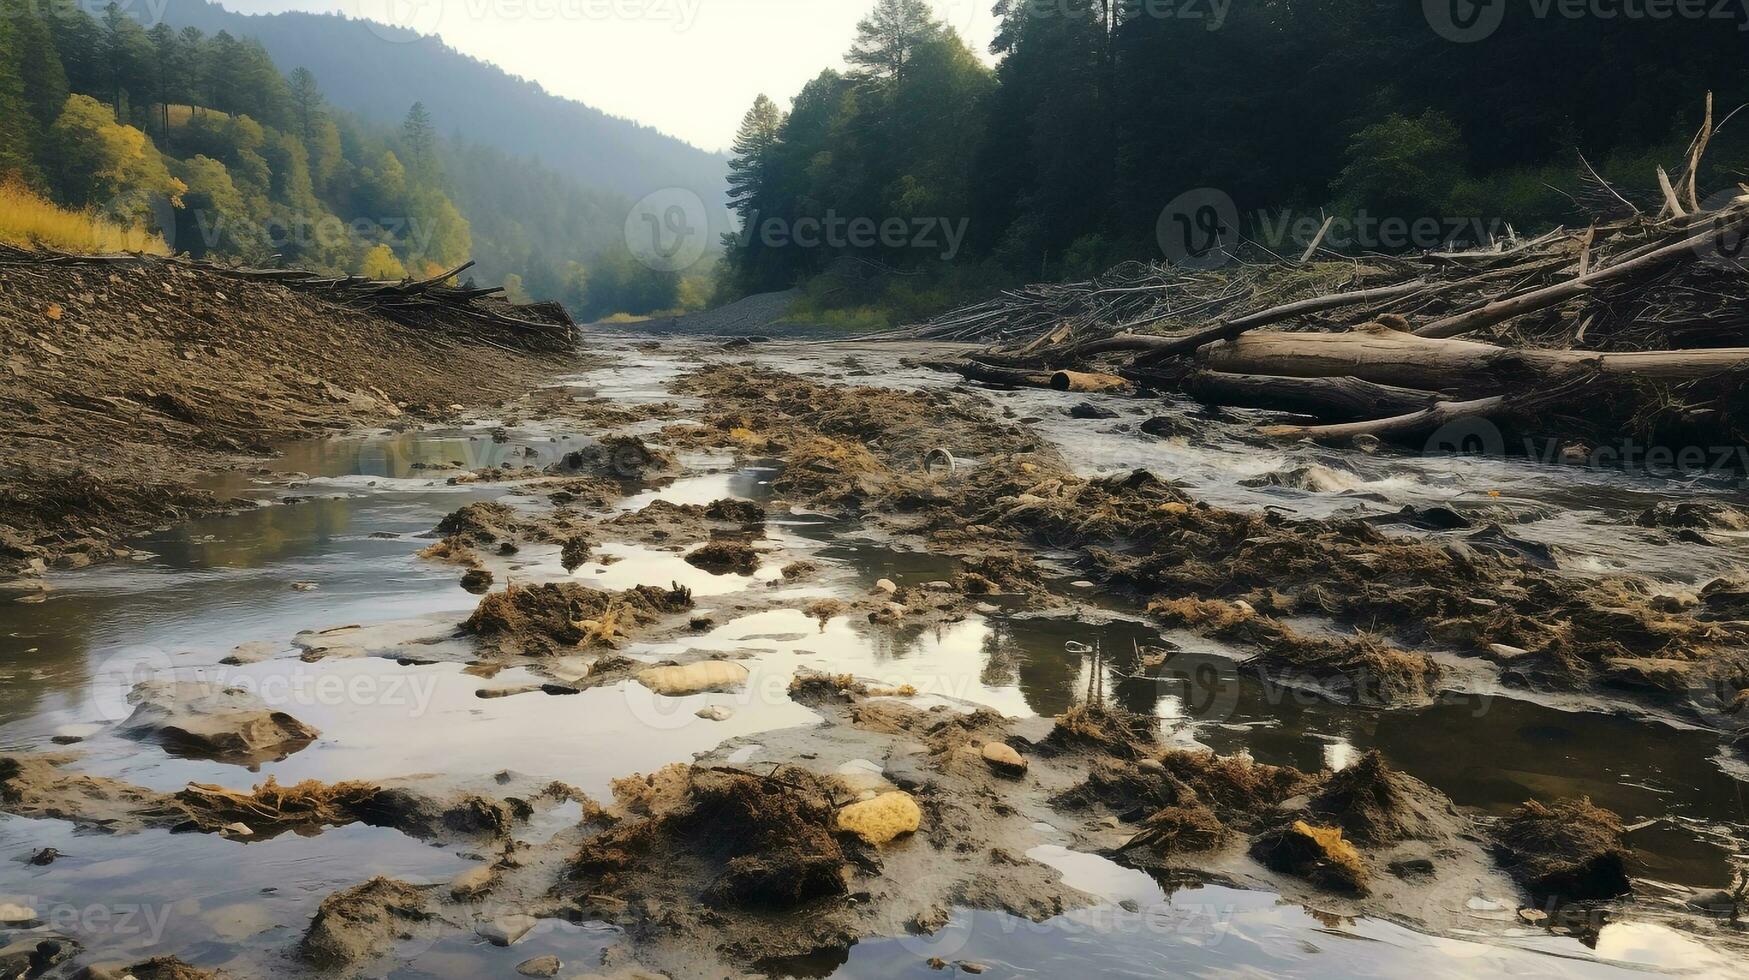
pixel 344 554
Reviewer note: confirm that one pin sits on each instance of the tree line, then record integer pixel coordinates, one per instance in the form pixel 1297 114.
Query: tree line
pixel 203 138
pixel 1100 113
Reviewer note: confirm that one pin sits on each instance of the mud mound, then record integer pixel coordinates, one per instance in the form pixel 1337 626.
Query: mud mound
pixel 722 556
pixel 731 839
pixel 1105 728
pixel 575 552
pixel 1317 854
pixel 1234 789
pixel 361 922
pixel 1180 830
pixel 203 720
pixel 615 456
pixel 482 525
pixel 555 618
pixel 169 968
pixel 662 521
pixel 1571 851
pixel 1375 806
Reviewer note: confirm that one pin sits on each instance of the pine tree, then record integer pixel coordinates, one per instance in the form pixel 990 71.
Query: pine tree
pixel 39 64
pixel 306 102
pixel 17 142
pixel 886 38
pixel 754 148
pixel 419 143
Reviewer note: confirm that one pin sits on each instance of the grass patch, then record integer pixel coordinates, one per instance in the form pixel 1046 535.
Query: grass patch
pixel 30 221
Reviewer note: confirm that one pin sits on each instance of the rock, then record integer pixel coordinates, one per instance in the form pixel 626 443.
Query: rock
pixel 1532 917
pixel 1002 758
pixel 202 719
pixel 1412 869
pixel 238 829
pixel 474 881
pixel 477 581
pixel 907 767
pixel 1714 903
pixel 1088 410
pixel 716 712
pixel 539 966
pixel 694 678
pixel 886 585
pixel 506 930
pixel 970 967
pixel 881 819
pixel 34 956
pixel 1317 854
pixel 42 858
pixel 14 914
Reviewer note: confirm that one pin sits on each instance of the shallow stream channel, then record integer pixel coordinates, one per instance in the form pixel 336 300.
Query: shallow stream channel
pixel 300 592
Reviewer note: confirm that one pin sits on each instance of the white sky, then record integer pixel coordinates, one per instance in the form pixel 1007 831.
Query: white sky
pixel 687 67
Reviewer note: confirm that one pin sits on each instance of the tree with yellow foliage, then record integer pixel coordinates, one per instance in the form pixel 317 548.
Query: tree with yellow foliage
pixel 98 161
pixel 380 263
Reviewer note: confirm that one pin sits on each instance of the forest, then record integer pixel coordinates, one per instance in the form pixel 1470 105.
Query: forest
pixel 206 141
pixel 1069 154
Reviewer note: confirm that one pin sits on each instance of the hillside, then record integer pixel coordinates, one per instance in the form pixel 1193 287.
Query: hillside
pixel 377 79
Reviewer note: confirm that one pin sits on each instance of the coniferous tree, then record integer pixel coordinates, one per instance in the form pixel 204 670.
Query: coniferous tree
pixel 887 37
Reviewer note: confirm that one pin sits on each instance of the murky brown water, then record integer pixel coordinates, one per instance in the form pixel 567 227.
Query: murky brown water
pixel 213 584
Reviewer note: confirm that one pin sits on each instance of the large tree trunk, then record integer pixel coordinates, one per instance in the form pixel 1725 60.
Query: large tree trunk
pixel 1404 360
pixel 1324 398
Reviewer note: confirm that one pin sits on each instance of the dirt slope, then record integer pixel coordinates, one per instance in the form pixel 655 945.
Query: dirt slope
pixel 120 382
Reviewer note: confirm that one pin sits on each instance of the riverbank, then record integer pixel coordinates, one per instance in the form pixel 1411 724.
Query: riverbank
pixel 127 380
pixel 664 623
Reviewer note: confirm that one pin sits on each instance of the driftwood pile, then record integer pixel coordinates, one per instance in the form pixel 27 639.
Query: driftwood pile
pixel 1635 325
pixel 479 313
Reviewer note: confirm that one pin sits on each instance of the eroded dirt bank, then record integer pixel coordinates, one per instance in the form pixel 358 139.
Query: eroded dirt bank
pixel 124 381
pixel 895 808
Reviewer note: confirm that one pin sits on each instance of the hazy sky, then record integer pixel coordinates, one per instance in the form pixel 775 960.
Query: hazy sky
pixel 687 67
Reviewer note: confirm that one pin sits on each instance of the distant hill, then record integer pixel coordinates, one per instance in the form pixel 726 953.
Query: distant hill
pixel 361 72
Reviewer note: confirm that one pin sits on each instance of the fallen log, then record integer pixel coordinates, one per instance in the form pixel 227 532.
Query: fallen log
pixel 991 374
pixel 1087 381
pixel 1333 399
pixel 1404 360
pixel 1158 347
pixel 1413 423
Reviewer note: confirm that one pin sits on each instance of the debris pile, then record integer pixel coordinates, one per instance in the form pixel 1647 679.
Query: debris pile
pixel 1631 325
